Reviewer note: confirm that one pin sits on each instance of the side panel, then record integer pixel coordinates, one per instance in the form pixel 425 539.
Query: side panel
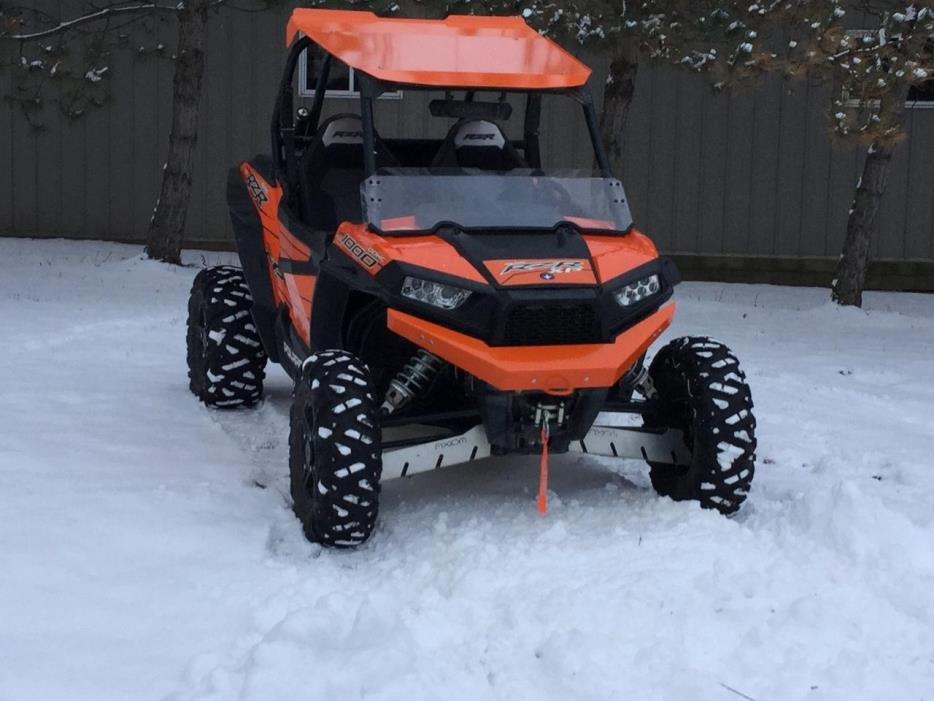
pixel 296 270
pixel 249 236
pixel 288 259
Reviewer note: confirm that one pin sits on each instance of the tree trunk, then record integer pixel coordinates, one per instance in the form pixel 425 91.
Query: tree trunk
pixel 861 227
pixel 620 88
pixel 167 225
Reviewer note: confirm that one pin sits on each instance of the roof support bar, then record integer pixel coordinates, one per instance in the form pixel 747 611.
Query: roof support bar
pixel 367 94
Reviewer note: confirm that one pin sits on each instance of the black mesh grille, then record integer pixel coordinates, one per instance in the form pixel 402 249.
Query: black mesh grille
pixel 551 324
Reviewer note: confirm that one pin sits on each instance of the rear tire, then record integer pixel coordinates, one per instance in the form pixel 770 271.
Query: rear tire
pixel 226 359
pixel 335 459
pixel 703 393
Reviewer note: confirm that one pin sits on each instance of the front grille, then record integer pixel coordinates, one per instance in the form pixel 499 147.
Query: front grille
pixel 551 324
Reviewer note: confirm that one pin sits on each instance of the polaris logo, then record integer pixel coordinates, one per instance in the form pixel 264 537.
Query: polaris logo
pixel 348 134
pixel 552 267
pixel 479 137
pixel 453 442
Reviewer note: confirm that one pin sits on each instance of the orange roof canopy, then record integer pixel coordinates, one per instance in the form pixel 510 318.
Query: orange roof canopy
pixel 460 51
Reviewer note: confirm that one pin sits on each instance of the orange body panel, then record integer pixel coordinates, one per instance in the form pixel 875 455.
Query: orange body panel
pixel 541 271
pixel 425 251
pixel 553 369
pixel 294 291
pixel 616 255
pixel 460 51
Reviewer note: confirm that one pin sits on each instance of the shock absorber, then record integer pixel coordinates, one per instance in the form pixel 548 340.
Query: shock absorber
pixel 413 378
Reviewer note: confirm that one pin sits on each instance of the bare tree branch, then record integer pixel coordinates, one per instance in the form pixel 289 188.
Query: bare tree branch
pixel 102 14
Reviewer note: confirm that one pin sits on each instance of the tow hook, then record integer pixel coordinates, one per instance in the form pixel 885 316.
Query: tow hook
pixel 544 413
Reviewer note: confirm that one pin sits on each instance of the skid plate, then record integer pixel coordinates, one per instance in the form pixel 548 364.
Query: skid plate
pixel 453 450
pixel 618 442
pixel 634 443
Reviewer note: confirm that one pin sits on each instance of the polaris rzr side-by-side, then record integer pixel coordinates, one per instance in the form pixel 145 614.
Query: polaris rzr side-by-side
pixel 441 299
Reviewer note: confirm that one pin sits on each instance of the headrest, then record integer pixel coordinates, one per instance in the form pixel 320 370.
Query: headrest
pixel 343 130
pixel 479 133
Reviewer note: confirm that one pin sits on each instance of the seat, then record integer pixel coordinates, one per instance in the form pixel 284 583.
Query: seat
pixel 477 143
pixel 333 170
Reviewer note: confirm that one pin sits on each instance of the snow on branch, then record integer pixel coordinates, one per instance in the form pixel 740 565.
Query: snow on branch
pixel 98 15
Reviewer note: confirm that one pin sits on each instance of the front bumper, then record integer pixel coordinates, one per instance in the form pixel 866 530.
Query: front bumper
pixel 553 369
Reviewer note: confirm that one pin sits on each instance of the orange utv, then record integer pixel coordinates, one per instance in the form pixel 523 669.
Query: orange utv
pixel 440 290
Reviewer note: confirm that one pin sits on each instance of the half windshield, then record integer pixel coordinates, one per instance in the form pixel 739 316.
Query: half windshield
pixel 405 200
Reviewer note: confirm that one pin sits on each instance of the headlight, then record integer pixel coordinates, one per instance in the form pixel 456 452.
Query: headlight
pixel 635 292
pixel 434 293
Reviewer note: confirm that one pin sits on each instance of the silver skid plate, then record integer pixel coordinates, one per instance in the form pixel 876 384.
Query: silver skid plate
pixel 618 442
pixel 635 444
pixel 401 462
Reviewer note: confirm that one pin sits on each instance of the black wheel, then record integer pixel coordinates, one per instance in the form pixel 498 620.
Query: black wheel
pixel 702 392
pixel 226 359
pixel 335 459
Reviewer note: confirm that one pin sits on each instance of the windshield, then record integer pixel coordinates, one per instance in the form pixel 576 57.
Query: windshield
pixel 419 200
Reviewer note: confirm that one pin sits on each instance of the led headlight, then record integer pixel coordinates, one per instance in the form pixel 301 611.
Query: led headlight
pixel 434 293
pixel 635 292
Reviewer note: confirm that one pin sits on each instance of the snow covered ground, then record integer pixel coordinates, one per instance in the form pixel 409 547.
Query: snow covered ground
pixel 147 550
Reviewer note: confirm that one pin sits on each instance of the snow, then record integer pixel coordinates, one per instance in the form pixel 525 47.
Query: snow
pixel 148 551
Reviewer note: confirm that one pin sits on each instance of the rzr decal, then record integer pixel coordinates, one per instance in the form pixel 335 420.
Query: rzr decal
pixel 545 271
pixel 545 266
pixel 256 190
pixel 367 257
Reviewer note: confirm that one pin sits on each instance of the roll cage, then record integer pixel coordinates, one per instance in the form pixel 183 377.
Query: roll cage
pixel 292 133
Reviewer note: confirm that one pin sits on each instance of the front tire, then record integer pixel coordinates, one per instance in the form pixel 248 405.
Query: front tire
pixel 226 359
pixel 702 392
pixel 335 460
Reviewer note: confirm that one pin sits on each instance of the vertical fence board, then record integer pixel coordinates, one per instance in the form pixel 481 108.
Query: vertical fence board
pixel 23 155
pixel 919 207
pixel 815 176
pixel 715 139
pixel 121 145
pixel 890 241
pixel 767 119
pixel 7 163
pixel 790 189
pixel 638 132
pixel 663 146
pixel 685 199
pixel 97 173
pixel 739 172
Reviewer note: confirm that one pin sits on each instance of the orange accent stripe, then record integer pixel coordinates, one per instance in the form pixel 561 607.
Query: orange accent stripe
pixel 553 369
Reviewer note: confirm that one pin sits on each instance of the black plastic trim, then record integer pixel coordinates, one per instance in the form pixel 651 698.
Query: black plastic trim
pixel 248 237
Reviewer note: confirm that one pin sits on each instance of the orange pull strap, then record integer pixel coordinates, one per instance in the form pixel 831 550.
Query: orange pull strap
pixel 543 472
